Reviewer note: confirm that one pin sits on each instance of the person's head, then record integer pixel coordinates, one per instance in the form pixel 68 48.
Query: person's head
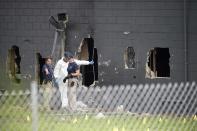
pixel 68 57
pixel 48 61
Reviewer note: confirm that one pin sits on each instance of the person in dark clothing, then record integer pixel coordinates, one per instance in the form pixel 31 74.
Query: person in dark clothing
pixel 47 70
pixel 72 77
pixel 72 69
pixel 47 84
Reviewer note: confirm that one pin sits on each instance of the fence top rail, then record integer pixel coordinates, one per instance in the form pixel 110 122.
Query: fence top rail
pixel 115 87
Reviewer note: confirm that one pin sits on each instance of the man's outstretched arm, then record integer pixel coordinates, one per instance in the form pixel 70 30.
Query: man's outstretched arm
pixel 84 62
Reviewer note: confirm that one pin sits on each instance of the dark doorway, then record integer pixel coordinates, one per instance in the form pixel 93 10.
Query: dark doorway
pixel 88 52
pixel 158 63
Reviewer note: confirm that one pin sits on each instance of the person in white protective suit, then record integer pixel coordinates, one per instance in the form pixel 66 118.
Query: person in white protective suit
pixel 60 72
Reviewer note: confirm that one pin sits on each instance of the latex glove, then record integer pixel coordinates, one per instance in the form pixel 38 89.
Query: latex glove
pixel 91 62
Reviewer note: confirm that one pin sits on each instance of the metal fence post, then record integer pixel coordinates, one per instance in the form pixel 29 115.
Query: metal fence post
pixel 34 100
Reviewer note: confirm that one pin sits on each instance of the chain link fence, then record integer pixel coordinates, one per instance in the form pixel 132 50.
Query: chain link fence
pixel 149 107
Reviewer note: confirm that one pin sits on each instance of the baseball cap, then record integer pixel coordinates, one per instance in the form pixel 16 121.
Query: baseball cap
pixel 68 54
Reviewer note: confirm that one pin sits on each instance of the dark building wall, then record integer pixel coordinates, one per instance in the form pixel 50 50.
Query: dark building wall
pixel 150 23
pixel 192 39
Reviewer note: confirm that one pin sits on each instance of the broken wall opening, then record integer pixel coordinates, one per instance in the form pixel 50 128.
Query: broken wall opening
pixel 13 61
pixel 95 64
pixel 129 58
pixel 40 61
pixel 87 51
pixel 62 17
pixel 55 100
pixel 157 65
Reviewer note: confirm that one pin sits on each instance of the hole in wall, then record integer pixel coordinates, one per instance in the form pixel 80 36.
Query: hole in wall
pixel 129 58
pixel 17 59
pixel 62 16
pixel 87 51
pixel 13 61
pixel 157 65
pixel 95 64
pixel 40 61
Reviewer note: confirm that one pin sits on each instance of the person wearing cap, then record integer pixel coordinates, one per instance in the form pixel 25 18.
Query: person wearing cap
pixel 72 80
pixel 60 72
